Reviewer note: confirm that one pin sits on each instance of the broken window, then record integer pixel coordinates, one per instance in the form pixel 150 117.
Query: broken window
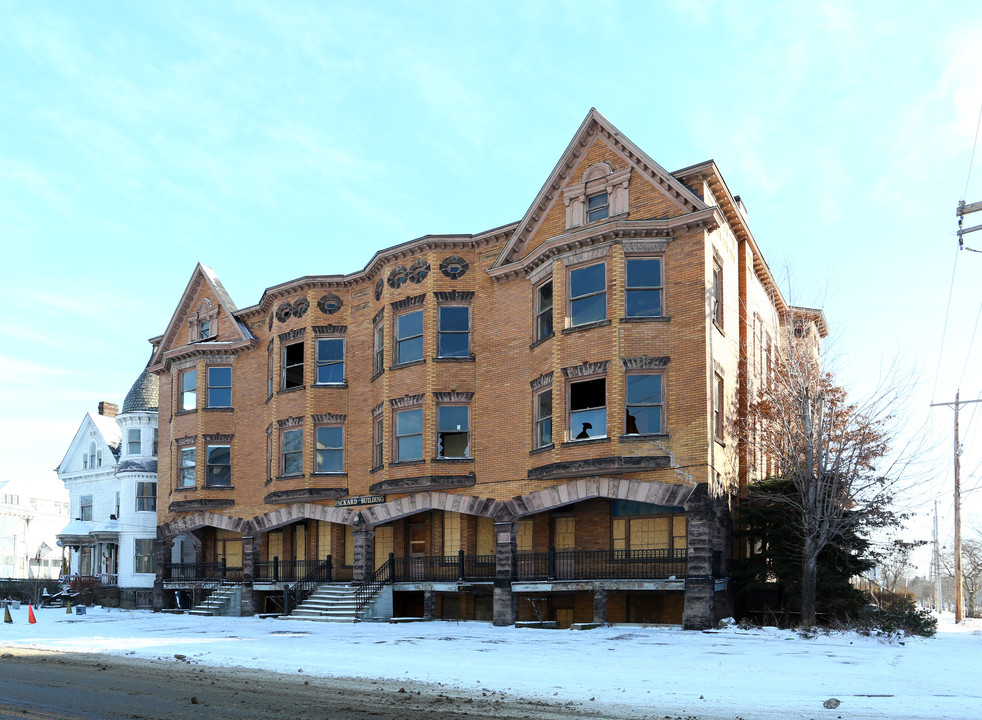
pixel 292 373
pixel 453 440
pixel 588 409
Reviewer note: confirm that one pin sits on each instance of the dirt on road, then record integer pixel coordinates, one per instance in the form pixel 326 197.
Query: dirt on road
pixel 62 686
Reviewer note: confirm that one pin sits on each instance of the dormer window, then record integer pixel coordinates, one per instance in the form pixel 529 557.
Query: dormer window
pixel 597 207
pixel 203 322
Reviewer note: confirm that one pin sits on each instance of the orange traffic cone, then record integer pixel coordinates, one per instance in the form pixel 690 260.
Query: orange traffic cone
pixel 30 615
pixel 6 614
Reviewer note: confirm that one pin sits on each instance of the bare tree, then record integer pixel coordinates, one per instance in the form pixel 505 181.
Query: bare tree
pixel 971 573
pixel 835 452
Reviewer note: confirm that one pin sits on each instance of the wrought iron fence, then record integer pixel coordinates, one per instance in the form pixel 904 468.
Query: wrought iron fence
pixel 277 570
pixel 447 568
pixel 368 589
pixel 602 565
pixel 203 572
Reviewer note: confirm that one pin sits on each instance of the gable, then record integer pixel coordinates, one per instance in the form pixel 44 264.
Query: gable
pixel 599 157
pixel 100 429
pixel 205 314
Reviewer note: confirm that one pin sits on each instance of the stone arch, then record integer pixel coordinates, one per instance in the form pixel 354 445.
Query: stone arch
pixel 198 520
pixel 431 500
pixel 301 511
pixel 654 492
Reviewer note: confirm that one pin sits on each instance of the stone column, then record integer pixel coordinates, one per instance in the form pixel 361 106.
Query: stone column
pixel 700 586
pixel 162 556
pixel 506 570
pixel 600 605
pixel 429 604
pixel 250 546
pixel 364 539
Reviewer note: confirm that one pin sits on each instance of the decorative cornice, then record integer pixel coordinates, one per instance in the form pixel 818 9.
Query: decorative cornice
pixel 377 409
pixel 282 497
pixel 378 316
pixel 200 505
pixel 454 296
pixel 544 380
pixel 212 350
pixel 185 440
pixel 329 418
pixel 269 429
pixel 586 369
pixel 586 254
pixel 600 466
pixel 453 397
pixel 295 421
pixel 644 362
pixel 406 401
pixel 218 437
pixel 294 334
pixel 423 482
pixel 325 330
pixel 408 302
pixel 644 247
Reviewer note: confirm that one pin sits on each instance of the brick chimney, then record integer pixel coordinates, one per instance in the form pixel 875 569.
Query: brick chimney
pixel 108 409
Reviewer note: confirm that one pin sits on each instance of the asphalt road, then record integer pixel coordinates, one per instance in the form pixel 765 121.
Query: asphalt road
pixel 60 686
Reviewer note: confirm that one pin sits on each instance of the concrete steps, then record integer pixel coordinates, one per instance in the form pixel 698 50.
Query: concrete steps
pixel 226 599
pixel 328 603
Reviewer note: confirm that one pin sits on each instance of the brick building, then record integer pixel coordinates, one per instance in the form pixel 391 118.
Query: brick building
pixel 528 423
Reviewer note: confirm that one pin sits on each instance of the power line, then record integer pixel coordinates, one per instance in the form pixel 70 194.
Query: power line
pixel 944 328
pixel 975 143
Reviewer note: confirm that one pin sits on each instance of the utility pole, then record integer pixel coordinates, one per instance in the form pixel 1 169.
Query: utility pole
pixel 959 592
pixel 936 565
pixel 961 211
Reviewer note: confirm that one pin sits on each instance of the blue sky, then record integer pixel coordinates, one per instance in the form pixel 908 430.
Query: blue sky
pixel 275 140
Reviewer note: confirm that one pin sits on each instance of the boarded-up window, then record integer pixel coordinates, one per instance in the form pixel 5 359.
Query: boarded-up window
pixel 680 532
pixel 485 536
pixel 323 540
pixel 300 542
pixel 275 548
pixel 565 532
pixel 524 536
pixel 451 533
pixel 349 546
pixel 383 544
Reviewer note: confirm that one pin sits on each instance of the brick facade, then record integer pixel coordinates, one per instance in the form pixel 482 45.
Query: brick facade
pixel 483 466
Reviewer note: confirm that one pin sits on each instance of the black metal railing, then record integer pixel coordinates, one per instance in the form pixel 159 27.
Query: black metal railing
pixel 368 589
pixel 447 568
pixel 320 573
pixel 277 570
pixel 602 565
pixel 203 572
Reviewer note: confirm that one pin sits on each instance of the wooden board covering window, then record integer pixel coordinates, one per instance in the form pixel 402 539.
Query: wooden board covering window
pixel 451 533
pixel 485 536
pixel 383 544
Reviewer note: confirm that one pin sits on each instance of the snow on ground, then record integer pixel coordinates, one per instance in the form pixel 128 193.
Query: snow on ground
pixel 766 673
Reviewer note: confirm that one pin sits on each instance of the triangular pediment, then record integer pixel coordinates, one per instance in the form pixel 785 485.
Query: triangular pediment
pixel 204 300
pixel 596 143
pixel 99 428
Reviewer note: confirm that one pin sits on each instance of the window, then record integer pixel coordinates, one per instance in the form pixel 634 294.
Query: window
pixel 588 294
pixel 635 532
pixel 644 405
pixel 718 418
pixel 717 299
pixel 85 507
pixel 90 461
pixel 588 409
pixel 269 456
pixel 643 296
pixel 379 349
pixel 597 207
pixel 543 311
pixel 133 441
pixel 189 390
pixel 330 361
pixel 220 386
pixel 451 533
pixel 409 435
pixel 146 496
pixel 409 337
pixel 454 331
pixel 453 431
pixel 156 441
pixel 378 441
pixel 269 373
pixel 98 457
pixel 143 556
pixel 329 449
pixel 291 452
pixel 186 471
pixel 292 371
pixel 523 538
pixel 204 330
pixel 543 419
pixel 116 507
pixel 219 470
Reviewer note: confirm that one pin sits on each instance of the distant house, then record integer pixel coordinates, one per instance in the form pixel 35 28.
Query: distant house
pixel 110 471
pixel 30 518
